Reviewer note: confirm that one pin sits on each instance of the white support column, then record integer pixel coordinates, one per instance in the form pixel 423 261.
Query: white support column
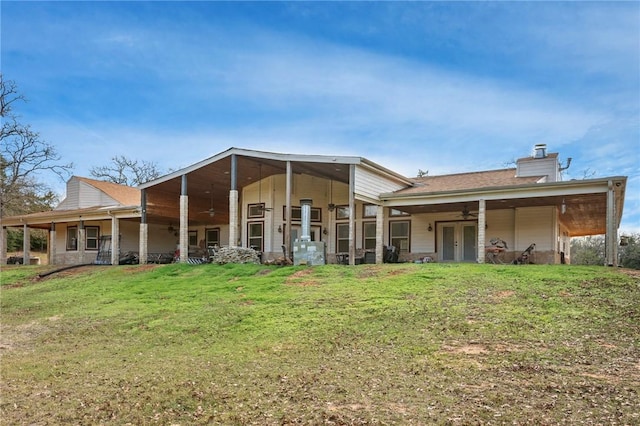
pixel 611 237
pixel 26 244
pixel 379 234
pixel 143 252
pixel 144 241
pixel 352 215
pixel 233 218
pixel 287 210
pixel 115 240
pixel 482 222
pixel 184 228
pixel 233 203
pixel 81 242
pixel 52 245
pixel 3 245
pixel 184 222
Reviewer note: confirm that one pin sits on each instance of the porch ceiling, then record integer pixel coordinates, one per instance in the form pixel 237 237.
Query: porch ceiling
pixel 214 180
pixel 585 213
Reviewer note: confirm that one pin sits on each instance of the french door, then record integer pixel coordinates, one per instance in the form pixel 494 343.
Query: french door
pixel 457 242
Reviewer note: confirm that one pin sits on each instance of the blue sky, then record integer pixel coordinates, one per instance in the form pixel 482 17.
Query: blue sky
pixel 440 86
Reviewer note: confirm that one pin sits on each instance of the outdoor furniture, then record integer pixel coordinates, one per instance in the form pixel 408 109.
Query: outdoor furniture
pixel 526 255
pixel 390 254
pixel 495 252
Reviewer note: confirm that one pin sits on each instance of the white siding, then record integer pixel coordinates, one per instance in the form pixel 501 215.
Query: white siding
pixel 71 200
pixel 91 196
pixel 81 195
pixel 501 224
pixel 370 185
pixel 535 225
pixel 539 167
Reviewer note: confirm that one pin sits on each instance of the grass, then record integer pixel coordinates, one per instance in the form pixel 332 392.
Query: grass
pixel 371 344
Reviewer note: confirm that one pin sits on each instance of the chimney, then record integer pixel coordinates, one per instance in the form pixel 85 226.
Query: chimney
pixel 540 150
pixel 305 220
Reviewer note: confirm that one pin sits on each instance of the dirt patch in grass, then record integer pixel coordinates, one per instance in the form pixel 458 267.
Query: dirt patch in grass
pixel 467 349
pixel 369 272
pixel 20 337
pixel 302 278
pixel 504 294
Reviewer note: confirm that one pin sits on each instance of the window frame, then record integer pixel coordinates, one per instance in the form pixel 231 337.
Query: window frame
pixel 87 238
pixel 397 213
pixel 72 244
pixel 251 237
pixel 210 243
pixel 371 214
pixel 193 237
pixel 296 213
pixel 342 239
pixel 407 237
pixel 365 239
pixel 343 212
pixel 255 214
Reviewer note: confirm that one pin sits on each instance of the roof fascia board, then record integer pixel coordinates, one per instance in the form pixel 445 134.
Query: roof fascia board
pixel 61 216
pixel 507 192
pixel 254 154
pixel 367 164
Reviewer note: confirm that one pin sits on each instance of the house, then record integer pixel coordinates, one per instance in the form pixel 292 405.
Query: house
pixel 354 209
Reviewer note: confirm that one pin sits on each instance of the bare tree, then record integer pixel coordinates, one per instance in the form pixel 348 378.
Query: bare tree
pixel 23 157
pixel 126 171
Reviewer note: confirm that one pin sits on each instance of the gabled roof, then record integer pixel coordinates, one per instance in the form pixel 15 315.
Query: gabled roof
pixel 305 163
pixel 468 181
pixel 124 195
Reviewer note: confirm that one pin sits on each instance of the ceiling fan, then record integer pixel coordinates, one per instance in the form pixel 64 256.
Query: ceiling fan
pixel 466 214
pixel 211 212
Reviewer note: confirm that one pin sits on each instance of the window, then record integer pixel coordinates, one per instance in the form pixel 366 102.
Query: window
pixel 212 237
pixel 255 235
pixel 91 236
pixel 256 210
pixel 369 235
pixel 342 212
pixel 342 241
pixel 296 213
pixel 193 238
pixel 369 210
pixel 72 238
pixel 399 235
pixel 395 212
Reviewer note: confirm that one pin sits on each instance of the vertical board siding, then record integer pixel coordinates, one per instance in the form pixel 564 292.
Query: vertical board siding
pixel 534 225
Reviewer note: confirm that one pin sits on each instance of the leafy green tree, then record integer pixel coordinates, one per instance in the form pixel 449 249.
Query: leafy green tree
pixel 588 250
pixel 591 251
pixel 630 251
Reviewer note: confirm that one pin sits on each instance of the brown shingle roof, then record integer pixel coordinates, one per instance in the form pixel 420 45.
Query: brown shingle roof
pixel 468 181
pixel 124 195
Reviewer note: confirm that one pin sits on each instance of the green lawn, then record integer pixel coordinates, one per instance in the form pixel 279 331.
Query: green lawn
pixel 370 344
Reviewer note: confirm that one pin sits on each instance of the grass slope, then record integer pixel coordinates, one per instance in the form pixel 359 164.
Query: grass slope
pixel 391 344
